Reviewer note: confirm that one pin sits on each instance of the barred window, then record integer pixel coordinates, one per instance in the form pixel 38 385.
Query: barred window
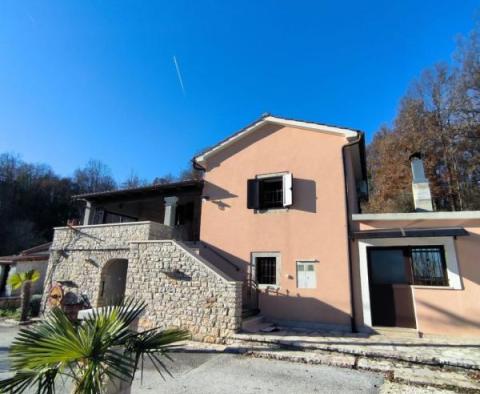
pixel 271 193
pixel 266 192
pixel 428 266
pixel 266 268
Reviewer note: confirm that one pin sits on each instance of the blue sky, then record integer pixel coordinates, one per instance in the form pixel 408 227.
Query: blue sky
pixel 96 79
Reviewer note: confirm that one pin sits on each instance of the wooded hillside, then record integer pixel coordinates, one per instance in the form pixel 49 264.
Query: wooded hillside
pixel 33 199
pixel 439 117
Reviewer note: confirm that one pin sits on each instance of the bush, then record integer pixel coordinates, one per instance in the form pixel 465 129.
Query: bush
pixel 10 313
pixel 35 304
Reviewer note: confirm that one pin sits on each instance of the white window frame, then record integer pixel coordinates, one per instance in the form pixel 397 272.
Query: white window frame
pixel 448 243
pixel 305 263
pixel 278 263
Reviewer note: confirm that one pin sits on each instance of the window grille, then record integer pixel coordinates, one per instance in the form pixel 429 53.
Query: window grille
pixel 266 270
pixel 271 193
pixel 428 266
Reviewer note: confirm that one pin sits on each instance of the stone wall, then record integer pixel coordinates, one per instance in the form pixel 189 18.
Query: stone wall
pixel 104 235
pixel 181 289
pixel 161 231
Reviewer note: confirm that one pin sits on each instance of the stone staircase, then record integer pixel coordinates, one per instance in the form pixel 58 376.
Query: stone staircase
pixel 216 258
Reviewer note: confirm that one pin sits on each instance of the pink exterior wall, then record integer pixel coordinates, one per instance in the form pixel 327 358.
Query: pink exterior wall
pixel 314 228
pixel 446 311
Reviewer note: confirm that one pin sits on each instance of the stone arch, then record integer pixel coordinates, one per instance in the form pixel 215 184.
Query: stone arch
pixel 113 280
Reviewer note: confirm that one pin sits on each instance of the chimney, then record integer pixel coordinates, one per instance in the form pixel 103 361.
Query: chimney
pixel 422 197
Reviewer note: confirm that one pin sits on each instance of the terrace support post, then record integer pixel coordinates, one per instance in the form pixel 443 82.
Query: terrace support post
pixel 170 210
pixel 88 213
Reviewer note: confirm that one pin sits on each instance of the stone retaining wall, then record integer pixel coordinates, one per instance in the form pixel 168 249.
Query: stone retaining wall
pixel 180 288
pixel 183 290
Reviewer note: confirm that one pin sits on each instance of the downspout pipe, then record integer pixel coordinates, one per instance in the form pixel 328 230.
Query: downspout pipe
pixel 356 141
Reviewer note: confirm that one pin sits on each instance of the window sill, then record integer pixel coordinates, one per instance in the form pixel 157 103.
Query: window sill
pixel 266 287
pixel 270 210
pixel 435 287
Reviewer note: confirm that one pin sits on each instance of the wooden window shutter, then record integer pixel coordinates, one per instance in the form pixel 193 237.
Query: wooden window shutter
pixel 252 194
pixel 287 189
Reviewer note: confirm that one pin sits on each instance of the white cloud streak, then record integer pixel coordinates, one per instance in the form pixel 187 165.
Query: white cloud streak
pixel 179 74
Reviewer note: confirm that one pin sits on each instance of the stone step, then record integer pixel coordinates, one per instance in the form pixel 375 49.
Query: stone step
pixel 386 350
pixel 246 313
pixel 400 388
pixel 399 372
pixel 251 324
pixel 207 253
pixel 396 332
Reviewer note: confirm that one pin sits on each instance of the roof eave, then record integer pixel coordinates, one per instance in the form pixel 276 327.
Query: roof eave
pixel 159 187
pixel 439 215
pixel 349 134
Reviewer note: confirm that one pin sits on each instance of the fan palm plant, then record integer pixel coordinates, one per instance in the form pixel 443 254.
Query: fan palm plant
pixel 24 280
pixel 101 350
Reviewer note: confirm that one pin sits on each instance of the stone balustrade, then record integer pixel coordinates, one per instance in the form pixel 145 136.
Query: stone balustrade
pixel 114 235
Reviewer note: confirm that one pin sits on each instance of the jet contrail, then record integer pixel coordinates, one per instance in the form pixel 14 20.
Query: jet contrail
pixel 179 74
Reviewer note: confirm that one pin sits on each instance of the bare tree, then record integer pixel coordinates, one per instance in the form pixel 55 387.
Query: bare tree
pixel 439 116
pixel 94 177
pixel 133 181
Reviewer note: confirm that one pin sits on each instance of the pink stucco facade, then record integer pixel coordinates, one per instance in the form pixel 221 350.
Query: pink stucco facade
pixel 314 228
pixel 317 228
pixel 441 310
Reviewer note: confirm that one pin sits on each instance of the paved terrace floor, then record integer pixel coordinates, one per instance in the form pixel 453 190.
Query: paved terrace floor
pixel 454 352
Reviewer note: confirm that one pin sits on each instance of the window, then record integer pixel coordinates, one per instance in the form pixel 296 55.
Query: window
pixel 306 278
pixel 98 216
pixel 415 265
pixel 270 191
pixel 266 268
pixel 102 216
pixel 110 217
pixel 428 266
pixel 184 213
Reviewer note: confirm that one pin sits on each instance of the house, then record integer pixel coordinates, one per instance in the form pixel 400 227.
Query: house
pixel 32 258
pixel 275 228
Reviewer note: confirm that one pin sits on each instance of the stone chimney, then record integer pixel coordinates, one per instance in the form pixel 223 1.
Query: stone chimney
pixel 422 197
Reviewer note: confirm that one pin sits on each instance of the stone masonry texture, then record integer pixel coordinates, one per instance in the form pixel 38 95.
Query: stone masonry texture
pixel 180 288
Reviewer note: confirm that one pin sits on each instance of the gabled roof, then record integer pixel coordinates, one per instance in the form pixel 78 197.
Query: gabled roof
pixel 37 253
pixel 270 119
pixel 37 249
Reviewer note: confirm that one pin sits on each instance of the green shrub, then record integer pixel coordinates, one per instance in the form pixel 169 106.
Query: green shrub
pixel 35 304
pixel 10 313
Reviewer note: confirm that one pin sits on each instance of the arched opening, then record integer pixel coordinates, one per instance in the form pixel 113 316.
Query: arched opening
pixel 112 282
